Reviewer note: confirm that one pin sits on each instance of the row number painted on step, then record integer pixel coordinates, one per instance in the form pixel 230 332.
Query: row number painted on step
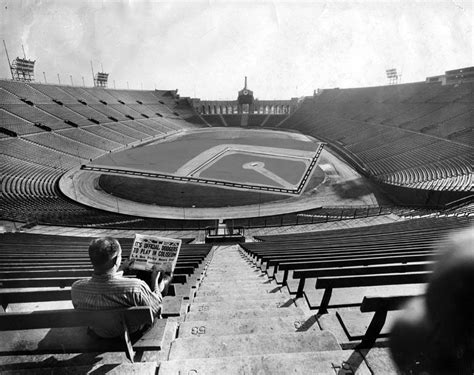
pixel 198 331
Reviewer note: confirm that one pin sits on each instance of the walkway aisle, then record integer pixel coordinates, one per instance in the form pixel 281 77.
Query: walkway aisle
pixel 245 120
pixel 240 322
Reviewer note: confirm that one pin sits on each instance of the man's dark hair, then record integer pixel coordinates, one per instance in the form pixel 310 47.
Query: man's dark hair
pixel 103 251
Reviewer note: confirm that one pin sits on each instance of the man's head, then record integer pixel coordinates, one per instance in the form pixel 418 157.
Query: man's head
pixel 105 254
pixel 436 335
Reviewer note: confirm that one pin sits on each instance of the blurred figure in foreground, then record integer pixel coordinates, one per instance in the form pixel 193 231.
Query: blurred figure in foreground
pixel 436 335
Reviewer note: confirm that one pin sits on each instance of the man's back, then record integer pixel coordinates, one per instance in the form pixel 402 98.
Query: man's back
pixel 110 291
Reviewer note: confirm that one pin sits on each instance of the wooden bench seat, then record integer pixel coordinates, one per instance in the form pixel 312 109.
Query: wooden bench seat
pixel 330 283
pixel 329 239
pixel 35 266
pixel 74 250
pixel 171 305
pixel 385 231
pixel 70 274
pixel 78 249
pixel 267 260
pixel 359 270
pixel 372 303
pixel 276 263
pixel 264 251
pixel 61 282
pixel 261 257
pixel 265 247
pixel 65 331
pixel 25 272
pixel 352 259
pixel 336 272
pixel 50 258
pixel 56 260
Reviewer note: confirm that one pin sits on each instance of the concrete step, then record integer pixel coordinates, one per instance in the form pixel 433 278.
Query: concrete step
pixel 380 361
pixel 276 297
pixel 323 362
pixel 240 293
pixel 243 275
pixel 219 296
pixel 230 264
pixel 243 268
pixel 244 314
pixel 245 288
pixel 236 284
pixel 252 293
pixel 238 345
pixel 241 305
pixel 224 283
pixel 236 268
pixel 235 280
pixel 236 275
pixel 220 327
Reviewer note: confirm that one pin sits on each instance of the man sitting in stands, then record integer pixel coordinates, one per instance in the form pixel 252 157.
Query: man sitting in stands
pixel 108 289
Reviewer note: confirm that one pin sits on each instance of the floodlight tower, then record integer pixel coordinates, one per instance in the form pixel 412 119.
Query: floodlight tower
pixel 21 69
pixel 392 76
pixel 100 79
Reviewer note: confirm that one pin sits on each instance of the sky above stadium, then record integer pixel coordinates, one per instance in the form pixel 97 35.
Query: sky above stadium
pixel 205 48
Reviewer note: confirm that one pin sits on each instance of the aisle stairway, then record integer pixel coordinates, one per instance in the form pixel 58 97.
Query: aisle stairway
pixel 239 322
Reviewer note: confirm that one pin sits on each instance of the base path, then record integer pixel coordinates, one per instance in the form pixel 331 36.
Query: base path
pixel 240 322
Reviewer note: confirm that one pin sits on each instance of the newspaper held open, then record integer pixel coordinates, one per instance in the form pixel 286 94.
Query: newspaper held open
pixel 148 251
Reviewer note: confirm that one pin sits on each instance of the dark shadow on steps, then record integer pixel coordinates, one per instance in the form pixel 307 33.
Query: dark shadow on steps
pixel 351 365
pixel 308 324
pixel 287 303
pixel 104 369
pixel 84 363
pixel 374 329
pixel 274 290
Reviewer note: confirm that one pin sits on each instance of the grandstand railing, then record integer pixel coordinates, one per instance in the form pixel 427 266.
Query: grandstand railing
pixel 314 216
